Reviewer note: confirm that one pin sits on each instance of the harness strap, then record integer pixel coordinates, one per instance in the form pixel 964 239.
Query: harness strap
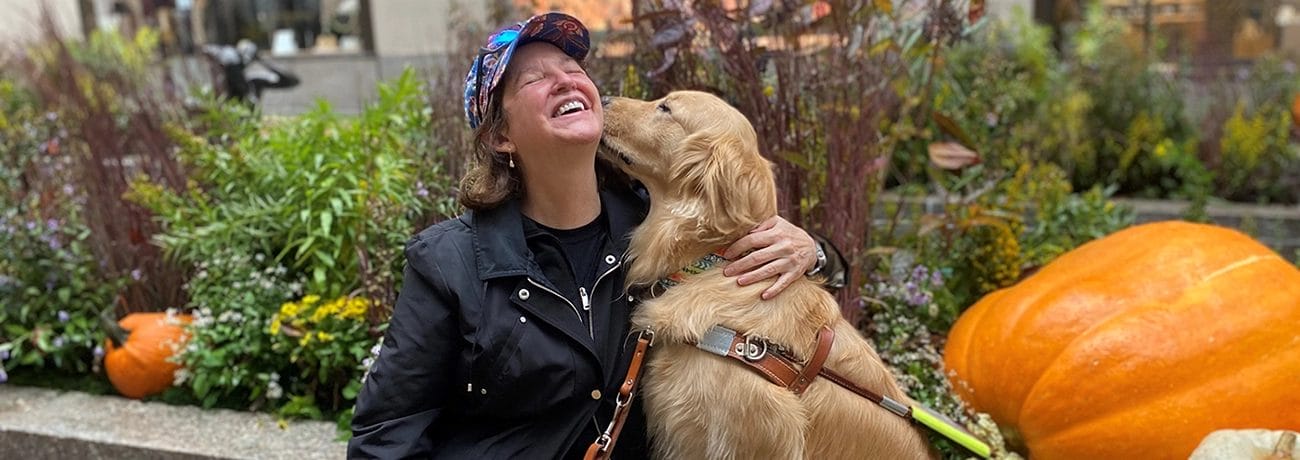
pixel 781 369
pixel 604 445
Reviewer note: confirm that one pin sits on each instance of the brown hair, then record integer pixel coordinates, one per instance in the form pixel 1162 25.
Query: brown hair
pixel 490 180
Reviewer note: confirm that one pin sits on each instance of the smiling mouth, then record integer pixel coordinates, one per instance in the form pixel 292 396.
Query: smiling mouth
pixel 570 107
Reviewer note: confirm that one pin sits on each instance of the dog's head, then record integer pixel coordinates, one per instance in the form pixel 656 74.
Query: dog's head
pixel 697 156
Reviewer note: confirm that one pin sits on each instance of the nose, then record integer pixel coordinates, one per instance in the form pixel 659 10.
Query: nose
pixel 605 100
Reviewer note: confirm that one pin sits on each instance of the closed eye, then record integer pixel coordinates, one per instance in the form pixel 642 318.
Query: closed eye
pixel 663 107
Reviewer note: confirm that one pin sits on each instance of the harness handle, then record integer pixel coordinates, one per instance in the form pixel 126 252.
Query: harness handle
pixel 603 447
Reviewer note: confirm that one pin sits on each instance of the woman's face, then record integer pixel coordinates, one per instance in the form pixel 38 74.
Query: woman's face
pixel 548 100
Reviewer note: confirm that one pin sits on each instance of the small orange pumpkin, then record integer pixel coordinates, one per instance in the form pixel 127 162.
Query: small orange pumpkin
pixel 1295 110
pixel 1136 345
pixel 137 350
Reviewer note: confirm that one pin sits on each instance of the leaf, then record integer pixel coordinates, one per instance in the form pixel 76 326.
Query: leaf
pixel 950 128
pixel 881 47
pixel 326 259
pixel 326 221
pixel 337 204
pixel 929 223
pixel 952 156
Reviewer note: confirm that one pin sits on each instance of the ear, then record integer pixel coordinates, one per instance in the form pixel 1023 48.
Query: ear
pixel 734 185
pixel 500 142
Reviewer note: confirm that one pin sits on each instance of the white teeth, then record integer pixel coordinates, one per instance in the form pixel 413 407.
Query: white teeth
pixel 569 107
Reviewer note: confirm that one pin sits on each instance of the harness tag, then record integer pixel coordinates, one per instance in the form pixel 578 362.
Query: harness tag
pixel 717 340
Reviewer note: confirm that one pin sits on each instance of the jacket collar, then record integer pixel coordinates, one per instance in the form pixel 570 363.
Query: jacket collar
pixel 501 250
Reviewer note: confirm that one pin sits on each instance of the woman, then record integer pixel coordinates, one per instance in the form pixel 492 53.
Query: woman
pixel 509 335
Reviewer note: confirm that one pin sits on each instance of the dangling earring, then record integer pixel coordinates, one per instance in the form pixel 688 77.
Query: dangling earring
pixel 512 162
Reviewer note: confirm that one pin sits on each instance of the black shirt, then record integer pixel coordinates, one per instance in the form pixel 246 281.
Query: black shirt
pixel 581 247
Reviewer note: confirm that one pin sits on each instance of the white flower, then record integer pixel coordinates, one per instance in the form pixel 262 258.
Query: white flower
pixel 273 390
pixel 180 376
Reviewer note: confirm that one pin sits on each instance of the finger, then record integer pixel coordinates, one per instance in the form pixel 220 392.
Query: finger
pixel 750 242
pixel 767 224
pixel 763 255
pixel 781 283
pixel 773 268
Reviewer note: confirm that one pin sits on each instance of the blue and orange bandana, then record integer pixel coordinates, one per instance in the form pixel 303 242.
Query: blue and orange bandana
pixel 559 29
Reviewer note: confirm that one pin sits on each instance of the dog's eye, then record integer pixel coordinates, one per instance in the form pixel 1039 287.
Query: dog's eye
pixel 664 108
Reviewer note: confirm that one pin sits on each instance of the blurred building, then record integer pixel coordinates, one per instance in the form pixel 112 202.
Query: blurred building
pixel 1212 31
pixel 20 20
pixel 341 48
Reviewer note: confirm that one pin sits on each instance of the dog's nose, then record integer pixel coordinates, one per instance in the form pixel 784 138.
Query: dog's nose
pixel 604 101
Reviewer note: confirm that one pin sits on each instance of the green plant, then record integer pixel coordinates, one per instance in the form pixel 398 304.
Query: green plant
pixel 1255 151
pixel 995 88
pixel 230 360
pixel 52 285
pixel 1145 144
pixel 1065 223
pixel 109 97
pixel 327 340
pixel 331 197
pixel 50 294
pixel 910 311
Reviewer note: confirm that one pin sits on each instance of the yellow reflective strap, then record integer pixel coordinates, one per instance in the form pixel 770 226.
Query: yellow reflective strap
pixel 950 430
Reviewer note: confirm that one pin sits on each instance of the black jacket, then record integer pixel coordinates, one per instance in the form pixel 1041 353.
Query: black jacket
pixel 488 355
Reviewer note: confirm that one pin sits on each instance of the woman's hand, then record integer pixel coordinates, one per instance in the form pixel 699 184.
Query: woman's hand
pixel 779 249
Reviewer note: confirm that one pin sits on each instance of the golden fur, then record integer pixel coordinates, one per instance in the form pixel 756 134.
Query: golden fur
pixel 698 157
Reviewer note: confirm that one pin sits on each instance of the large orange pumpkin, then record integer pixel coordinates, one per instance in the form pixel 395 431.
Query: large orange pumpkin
pixel 1137 345
pixel 137 351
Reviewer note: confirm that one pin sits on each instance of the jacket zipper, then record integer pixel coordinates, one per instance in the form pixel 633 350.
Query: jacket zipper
pixel 565 299
pixel 586 301
pixel 582 292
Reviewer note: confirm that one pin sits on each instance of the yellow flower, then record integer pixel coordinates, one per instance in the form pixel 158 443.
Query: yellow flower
pixel 275 325
pixel 290 309
pixel 323 336
pixel 355 308
pixel 311 299
pixel 327 310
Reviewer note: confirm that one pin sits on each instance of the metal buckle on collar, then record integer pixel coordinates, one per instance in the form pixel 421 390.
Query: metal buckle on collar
pixel 716 340
pixel 650 334
pixel 750 349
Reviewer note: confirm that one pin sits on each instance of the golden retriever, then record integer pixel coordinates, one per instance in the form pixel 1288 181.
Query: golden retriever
pixel 698 158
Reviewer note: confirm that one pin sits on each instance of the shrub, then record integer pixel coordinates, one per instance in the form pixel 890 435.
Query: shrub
pixel 230 360
pixel 52 286
pixel 331 197
pixel 910 311
pixel 1256 152
pixel 327 340
pixel 1145 143
pixel 996 87
pixel 277 208
pixel 109 96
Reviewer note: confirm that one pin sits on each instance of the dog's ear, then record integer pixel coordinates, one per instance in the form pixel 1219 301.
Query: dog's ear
pixel 731 180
